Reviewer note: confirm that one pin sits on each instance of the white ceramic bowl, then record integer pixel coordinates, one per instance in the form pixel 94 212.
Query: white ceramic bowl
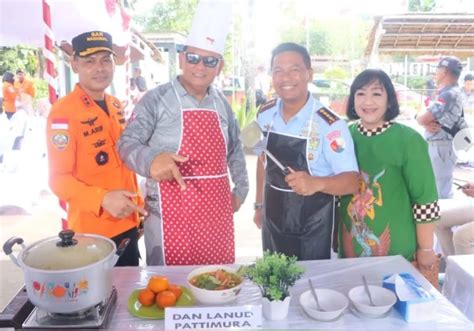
pixel 332 301
pixel 383 300
pixel 215 297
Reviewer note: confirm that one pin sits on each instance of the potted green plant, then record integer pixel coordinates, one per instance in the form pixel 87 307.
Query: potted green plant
pixel 275 274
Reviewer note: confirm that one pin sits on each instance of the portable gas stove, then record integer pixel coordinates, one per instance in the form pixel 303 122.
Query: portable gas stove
pixel 96 317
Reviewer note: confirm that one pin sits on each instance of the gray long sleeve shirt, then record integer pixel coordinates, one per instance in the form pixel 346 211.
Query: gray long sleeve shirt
pixel 447 109
pixel 156 128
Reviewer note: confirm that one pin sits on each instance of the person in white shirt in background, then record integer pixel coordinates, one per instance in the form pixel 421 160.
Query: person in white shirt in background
pixel 25 164
pixel 16 132
pixel 467 93
pixel 455 229
pixel 262 86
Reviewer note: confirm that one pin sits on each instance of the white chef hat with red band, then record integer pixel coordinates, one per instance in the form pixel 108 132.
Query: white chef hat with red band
pixel 211 24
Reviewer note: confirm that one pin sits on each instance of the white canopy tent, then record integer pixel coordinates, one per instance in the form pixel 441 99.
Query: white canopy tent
pixel 21 21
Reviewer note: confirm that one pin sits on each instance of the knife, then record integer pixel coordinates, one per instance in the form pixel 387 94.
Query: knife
pixel 285 170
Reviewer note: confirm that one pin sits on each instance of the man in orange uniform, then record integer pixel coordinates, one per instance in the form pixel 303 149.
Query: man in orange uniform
pixel 23 85
pixel 9 94
pixel 84 167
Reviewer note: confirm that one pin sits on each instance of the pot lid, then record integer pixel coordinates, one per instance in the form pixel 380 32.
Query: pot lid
pixel 70 251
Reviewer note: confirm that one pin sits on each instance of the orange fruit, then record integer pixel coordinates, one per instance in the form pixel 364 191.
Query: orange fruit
pixel 146 297
pixel 176 289
pixel 158 284
pixel 165 299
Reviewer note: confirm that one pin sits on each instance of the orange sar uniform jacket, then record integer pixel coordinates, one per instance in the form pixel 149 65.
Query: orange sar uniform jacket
pixel 9 97
pixel 25 87
pixel 84 163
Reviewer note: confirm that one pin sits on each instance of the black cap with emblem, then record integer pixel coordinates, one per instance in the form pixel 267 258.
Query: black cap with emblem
pixel 92 42
pixel 451 63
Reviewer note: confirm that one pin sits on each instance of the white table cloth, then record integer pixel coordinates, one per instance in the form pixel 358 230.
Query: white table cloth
pixel 338 274
pixel 459 283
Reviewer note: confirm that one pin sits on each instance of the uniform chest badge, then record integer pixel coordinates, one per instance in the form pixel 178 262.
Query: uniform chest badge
pixel 313 143
pixel 310 156
pixel 90 121
pixel 102 158
pixel 60 139
pixel 99 143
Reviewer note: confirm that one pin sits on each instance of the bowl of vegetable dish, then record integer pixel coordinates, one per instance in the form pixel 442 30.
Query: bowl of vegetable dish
pixel 215 284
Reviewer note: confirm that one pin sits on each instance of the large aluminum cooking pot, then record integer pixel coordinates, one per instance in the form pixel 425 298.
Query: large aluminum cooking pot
pixel 69 274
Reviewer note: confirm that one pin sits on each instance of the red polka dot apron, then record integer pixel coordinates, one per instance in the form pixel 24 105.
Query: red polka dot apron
pixel 197 223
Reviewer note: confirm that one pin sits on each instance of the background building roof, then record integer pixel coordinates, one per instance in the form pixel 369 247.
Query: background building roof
pixel 422 34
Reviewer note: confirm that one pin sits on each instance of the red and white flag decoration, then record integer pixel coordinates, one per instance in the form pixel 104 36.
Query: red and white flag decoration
pixel 49 76
pixel 120 15
pixel 48 52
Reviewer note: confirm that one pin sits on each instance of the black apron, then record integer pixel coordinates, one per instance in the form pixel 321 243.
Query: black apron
pixel 294 224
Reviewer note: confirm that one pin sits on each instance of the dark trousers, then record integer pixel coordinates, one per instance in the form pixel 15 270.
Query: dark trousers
pixel 131 256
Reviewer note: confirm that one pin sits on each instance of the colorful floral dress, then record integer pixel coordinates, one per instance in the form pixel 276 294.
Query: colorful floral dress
pixel 397 190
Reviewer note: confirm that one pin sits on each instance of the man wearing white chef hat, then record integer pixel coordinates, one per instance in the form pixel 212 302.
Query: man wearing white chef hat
pixel 183 137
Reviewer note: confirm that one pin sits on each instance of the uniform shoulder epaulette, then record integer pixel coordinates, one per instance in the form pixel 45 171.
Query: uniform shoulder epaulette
pixel 267 105
pixel 328 115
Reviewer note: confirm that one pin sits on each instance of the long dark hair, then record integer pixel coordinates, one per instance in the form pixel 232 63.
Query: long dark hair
pixel 366 77
pixel 8 77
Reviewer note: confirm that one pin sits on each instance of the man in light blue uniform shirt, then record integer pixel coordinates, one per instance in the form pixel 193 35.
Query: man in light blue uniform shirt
pixel 324 159
pixel 296 210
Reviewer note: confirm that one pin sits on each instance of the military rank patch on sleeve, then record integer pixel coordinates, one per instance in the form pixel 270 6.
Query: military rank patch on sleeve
pixel 327 115
pixel 267 105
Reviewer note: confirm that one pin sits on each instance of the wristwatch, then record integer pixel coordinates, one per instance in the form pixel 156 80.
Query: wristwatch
pixel 257 205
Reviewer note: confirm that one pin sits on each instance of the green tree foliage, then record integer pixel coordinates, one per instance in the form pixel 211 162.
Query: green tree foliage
pixel 421 5
pixel 318 38
pixel 234 36
pixel 293 29
pixel 41 88
pixel 335 73
pixel 177 16
pixel 244 113
pixel 168 15
pixel 18 57
pixel 413 82
pixel 340 37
